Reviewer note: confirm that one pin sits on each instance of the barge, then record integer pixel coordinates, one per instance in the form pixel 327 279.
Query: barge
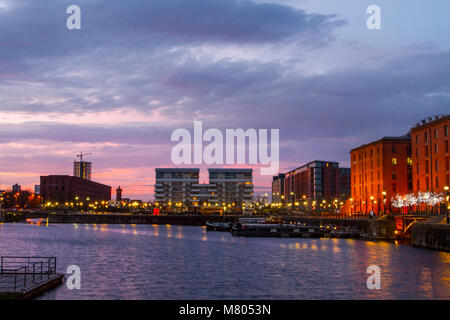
pixel 276 230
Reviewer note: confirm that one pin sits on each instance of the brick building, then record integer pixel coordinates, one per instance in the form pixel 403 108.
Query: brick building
pixel 317 185
pixel 430 156
pixel 64 188
pixel 380 170
pixel 277 187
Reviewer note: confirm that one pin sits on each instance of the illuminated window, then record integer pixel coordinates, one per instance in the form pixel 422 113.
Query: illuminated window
pixel 394 161
pixel 409 161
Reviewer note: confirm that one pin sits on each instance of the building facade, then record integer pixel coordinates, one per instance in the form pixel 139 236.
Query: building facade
pixel 278 187
pixel 64 188
pixel 16 188
pixel 181 188
pixel 174 186
pixel 317 185
pixel 82 169
pixel 380 170
pixel 204 195
pixel 430 154
pixel 233 186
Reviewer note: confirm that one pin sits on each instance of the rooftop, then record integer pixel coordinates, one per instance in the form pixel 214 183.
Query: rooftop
pixel 430 121
pixel 402 139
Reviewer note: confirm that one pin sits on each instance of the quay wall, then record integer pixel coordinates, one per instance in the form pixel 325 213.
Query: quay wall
pixel 375 229
pixel 432 234
pixel 187 220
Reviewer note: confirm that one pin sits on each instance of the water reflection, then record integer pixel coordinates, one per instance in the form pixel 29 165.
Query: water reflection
pixel 175 262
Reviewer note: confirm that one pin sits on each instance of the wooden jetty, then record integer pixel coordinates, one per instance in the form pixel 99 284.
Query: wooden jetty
pixel 27 277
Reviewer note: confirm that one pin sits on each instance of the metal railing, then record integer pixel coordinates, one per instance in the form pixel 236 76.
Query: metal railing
pixel 21 273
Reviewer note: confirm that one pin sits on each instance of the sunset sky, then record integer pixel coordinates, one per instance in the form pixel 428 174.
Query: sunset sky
pixel 137 70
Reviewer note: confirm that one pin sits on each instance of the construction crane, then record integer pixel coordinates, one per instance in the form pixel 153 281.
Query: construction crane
pixel 81 155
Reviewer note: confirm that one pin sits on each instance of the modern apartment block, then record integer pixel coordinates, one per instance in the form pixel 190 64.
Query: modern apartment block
pixel 232 185
pixel 175 185
pixel 317 183
pixel 430 154
pixel 277 188
pixel 380 170
pixel 229 186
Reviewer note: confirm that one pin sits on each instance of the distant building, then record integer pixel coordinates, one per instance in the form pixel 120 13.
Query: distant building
pixel 317 185
pixel 181 187
pixel 16 188
pixel 232 185
pixel 380 170
pixel 63 188
pixel 174 186
pixel 430 154
pixel 118 194
pixel 277 187
pixel 82 169
pixel 37 189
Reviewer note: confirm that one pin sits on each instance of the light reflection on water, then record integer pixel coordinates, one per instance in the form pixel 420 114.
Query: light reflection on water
pixel 174 262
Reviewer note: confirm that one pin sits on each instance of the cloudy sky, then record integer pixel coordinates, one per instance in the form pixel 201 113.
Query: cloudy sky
pixel 137 70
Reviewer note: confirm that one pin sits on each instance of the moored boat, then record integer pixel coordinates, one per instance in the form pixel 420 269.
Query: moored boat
pixel 276 230
pixel 218 226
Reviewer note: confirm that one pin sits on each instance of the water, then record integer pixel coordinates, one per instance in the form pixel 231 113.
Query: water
pixel 173 262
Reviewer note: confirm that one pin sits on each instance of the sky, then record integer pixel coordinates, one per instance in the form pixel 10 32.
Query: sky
pixel 137 70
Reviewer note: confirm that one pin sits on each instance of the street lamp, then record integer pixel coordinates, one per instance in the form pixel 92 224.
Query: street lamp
pixel 447 202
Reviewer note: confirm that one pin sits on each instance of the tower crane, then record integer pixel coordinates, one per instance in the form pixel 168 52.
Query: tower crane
pixel 81 155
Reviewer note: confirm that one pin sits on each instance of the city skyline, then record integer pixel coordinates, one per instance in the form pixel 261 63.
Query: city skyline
pixel 135 72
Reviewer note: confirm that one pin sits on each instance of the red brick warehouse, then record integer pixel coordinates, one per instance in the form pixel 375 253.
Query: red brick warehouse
pixel 380 170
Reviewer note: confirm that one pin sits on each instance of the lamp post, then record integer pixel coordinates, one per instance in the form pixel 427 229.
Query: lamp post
pixel 447 205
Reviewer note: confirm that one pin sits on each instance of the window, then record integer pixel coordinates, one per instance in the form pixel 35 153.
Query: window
pixel 394 188
pixel 435 134
pixel 394 175
pixel 426 151
pixel 435 148
pixel 394 161
pixel 426 137
pixel 394 149
pixel 437 182
pixel 409 161
pixel 417 139
pixel 446 131
pixel 436 165
pixel 418 169
pixel 446 146
pixel 417 153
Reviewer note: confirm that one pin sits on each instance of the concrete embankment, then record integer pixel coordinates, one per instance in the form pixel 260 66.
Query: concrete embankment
pixel 432 234
pixel 381 228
